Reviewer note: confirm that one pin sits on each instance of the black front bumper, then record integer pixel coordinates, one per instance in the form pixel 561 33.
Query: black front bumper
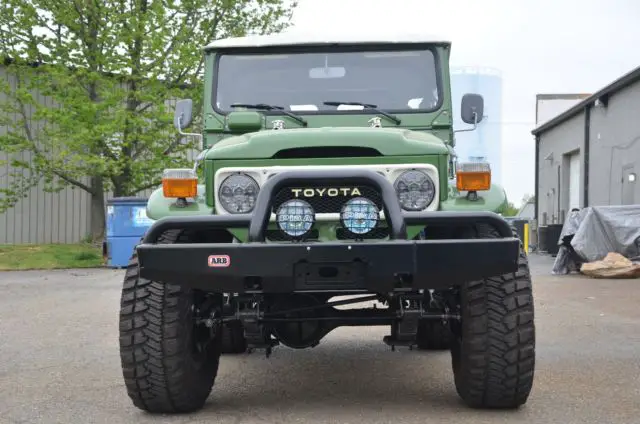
pixel 382 267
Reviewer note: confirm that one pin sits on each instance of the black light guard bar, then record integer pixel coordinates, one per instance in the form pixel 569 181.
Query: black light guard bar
pixel 258 221
pixel 264 202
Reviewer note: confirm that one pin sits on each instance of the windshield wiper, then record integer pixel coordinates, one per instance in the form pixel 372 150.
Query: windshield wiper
pixel 366 106
pixel 271 107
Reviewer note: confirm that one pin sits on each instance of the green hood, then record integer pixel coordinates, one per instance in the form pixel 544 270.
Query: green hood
pixel 387 141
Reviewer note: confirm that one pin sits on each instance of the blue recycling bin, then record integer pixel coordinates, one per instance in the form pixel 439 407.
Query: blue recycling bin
pixel 127 222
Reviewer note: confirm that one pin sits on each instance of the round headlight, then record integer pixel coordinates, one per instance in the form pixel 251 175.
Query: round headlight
pixel 359 215
pixel 415 190
pixel 238 193
pixel 295 217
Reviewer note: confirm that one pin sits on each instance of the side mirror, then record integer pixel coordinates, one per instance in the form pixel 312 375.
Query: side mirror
pixel 182 116
pixel 472 110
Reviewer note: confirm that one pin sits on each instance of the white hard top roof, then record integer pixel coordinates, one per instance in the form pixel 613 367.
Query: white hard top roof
pixel 294 38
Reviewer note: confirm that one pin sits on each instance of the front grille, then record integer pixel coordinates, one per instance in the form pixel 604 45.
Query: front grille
pixel 376 234
pixel 278 235
pixel 329 204
pixel 325 203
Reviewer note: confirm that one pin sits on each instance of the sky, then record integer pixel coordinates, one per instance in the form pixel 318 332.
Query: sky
pixel 540 46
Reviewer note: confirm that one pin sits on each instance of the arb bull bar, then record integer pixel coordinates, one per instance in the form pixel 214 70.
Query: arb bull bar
pixel 381 267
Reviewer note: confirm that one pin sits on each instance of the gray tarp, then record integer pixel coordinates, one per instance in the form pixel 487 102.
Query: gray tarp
pixel 597 231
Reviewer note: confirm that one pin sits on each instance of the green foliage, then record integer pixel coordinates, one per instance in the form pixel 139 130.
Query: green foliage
pixel 528 198
pixel 49 256
pixel 510 210
pixel 91 85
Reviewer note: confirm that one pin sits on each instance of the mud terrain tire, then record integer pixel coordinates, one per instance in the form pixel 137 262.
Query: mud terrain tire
pixel 493 350
pixel 163 371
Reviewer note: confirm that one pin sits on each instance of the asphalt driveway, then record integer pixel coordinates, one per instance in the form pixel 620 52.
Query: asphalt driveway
pixel 59 363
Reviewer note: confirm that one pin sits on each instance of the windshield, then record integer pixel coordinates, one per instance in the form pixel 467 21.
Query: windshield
pixel 302 82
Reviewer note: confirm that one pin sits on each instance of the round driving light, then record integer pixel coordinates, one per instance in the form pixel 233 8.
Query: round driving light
pixel 359 215
pixel 238 193
pixel 415 190
pixel 295 217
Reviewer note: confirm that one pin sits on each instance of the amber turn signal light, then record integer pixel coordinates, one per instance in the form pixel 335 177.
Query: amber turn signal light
pixel 179 183
pixel 473 176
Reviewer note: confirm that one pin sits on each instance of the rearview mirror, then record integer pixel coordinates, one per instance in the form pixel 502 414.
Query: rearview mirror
pixel 472 110
pixel 327 72
pixel 182 115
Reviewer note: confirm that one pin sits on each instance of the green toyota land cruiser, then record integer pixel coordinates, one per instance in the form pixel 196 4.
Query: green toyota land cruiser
pixel 327 177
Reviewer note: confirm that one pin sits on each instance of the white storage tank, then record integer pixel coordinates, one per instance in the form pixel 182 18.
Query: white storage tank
pixel 485 143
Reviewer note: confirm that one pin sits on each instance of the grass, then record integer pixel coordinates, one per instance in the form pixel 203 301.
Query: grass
pixel 49 256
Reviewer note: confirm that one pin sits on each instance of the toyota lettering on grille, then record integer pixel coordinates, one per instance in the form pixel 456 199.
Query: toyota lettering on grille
pixel 326 192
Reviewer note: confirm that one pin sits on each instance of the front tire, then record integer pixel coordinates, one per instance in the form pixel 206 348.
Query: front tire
pixel 169 362
pixel 493 351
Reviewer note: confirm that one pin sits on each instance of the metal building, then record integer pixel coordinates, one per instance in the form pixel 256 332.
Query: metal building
pixel 485 143
pixel 589 155
pixel 548 106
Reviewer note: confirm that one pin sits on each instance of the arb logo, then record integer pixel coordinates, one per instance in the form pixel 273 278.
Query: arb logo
pixel 219 261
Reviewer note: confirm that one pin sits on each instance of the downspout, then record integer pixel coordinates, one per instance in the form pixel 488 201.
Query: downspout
pixel 559 207
pixel 587 143
pixel 537 178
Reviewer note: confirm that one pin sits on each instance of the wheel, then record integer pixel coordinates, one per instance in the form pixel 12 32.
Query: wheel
pixel 169 361
pixel 493 348
pixel 433 335
pixel 233 340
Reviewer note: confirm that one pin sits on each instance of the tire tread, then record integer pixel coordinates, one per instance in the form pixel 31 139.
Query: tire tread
pixel 154 348
pixel 496 356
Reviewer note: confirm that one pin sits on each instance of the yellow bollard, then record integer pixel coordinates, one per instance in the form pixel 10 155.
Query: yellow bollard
pixel 525 237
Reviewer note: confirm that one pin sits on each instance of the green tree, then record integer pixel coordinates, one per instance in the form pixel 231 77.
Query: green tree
pixel 107 69
pixel 528 198
pixel 510 210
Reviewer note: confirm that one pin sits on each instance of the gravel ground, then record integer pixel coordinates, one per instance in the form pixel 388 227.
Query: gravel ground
pixel 60 364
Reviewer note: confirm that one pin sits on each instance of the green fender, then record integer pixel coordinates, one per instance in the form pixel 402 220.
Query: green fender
pixel 492 200
pixel 159 206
